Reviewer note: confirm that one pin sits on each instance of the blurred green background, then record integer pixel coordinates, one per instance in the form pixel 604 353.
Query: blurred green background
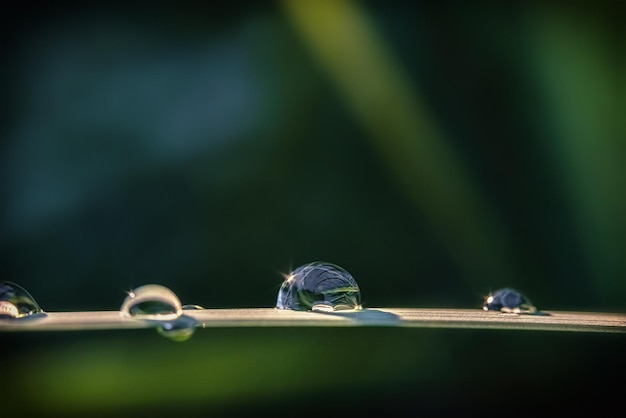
pixel 435 150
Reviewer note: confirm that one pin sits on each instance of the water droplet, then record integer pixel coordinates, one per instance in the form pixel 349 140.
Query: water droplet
pixel 319 286
pixel 508 300
pixel 153 302
pixel 179 330
pixel 16 302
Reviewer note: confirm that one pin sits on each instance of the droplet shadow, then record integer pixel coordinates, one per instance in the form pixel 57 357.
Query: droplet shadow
pixel 372 317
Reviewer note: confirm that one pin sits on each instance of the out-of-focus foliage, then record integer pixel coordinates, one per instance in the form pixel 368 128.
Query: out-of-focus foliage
pixel 435 150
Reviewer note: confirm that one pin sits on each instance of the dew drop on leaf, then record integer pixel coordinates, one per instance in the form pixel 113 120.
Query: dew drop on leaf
pixel 319 286
pixel 153 302
pixel 508 300
pixel 16 302
pixel 180 329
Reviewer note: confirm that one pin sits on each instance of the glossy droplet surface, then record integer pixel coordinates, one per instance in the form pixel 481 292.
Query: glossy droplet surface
pixel 152 301
pixel 16 302
pixel 508 300
pixel 319 286
pixel 181 329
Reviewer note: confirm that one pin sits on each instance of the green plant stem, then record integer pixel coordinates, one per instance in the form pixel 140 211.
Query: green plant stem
pixel 376 317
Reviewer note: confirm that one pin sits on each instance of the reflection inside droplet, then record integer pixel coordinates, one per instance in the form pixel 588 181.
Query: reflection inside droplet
pixel 192 308
pixel 151 301
pixel 508 300
pixel 319 286
pixel 181 329
pixel 16 302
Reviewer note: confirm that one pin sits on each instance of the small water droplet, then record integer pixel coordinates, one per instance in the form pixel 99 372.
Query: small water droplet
pixel 508 300
pixel 319 286
pixel 181 329
pixel 152 301
pixel 16 302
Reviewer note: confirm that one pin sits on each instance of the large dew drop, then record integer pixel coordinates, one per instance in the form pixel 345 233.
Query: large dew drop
pixel 151 302
pixel 319 286
pixel 16 302
pixel 508 300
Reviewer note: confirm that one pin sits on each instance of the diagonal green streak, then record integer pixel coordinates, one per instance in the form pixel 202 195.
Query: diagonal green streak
pixel 583 75
pixel 405 133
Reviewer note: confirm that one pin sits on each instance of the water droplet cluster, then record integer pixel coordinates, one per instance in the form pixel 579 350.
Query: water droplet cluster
pixel 317 286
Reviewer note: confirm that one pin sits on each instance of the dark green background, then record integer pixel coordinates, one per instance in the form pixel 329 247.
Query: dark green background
pixel 207 148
